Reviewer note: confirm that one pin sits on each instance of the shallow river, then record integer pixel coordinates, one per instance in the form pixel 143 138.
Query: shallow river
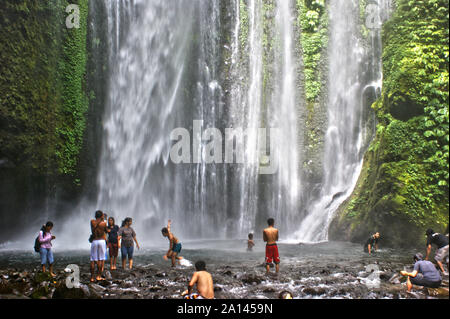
pixel 325 270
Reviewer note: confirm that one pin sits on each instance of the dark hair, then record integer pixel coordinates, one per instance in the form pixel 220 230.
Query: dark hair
pixel 44 227
pixel 429 231
pixel 418 257
pixel 271 221
pixel 114 221
pixel 126 220
pixel 98 214
pixel 165 230
pixel 200 265
pixel 250 236
pixel 284 294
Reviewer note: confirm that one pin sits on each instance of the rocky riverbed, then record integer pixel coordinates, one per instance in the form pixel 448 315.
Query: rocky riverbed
pixel 327 270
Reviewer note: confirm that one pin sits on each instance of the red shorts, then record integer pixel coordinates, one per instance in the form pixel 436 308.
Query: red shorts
pixel 272 254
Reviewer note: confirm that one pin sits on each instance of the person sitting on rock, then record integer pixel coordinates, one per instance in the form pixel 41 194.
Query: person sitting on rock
pixel 441 241
pixel 204 282
pixel 372 243
pixel 425 274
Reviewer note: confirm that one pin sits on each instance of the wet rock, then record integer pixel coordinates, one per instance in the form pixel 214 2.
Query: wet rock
pixel 63 292
pixel 395 279
pixel 385 276
pixel 309 291
pixel 161 274
pixel 96 287
pixel 269 290
pixel 181 279
pixel 42 277
pixel 154 288
pixel 108 275
pixel 251 279
pixel 40 293
pixel 437 292
pixel 104 283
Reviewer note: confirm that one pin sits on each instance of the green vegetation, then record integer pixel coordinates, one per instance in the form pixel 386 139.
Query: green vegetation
pixel 403 187
pixel 313 22
pixel 43 101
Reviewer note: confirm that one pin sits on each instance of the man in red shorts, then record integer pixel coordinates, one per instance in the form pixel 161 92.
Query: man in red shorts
pixel 270 236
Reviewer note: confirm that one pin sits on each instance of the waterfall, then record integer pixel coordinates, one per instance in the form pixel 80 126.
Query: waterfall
pixel 353 68
pixel 201 66
pixel 145 80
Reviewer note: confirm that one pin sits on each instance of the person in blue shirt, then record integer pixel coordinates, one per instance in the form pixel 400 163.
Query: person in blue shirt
pixel 424 274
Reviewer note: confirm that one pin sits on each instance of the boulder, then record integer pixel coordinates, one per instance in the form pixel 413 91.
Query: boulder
pixel 440 292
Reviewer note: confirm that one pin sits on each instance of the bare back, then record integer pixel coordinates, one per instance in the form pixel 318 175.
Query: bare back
pixel 270 235
pixel 98 229
pixel 204 282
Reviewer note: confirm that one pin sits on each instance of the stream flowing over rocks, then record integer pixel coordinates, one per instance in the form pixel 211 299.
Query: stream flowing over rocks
pixel 320 271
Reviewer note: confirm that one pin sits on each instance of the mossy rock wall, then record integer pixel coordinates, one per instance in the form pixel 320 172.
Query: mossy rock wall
pixel 403 187
pixel 43 106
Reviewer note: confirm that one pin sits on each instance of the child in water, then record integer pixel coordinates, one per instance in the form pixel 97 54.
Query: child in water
pixel 250 242
pixel 174 245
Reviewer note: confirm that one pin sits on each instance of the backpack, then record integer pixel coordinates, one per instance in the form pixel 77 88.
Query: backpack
pixel 37 244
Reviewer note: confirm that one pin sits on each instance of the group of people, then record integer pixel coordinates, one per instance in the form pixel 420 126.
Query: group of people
pixel 425 273
pixel 106 234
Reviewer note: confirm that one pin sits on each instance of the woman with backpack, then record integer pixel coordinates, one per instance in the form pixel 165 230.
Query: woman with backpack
pixel 45 250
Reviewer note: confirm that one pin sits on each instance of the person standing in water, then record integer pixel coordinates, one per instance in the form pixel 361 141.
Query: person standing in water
pixel 270 236
pixel 113 244
pixel 127 238
pixel 441 241
pixel 174 245
pixel 98 245
pixel 425 274
pixel 250 242
pixel 372 243
pixel 45 250
pixel 204 282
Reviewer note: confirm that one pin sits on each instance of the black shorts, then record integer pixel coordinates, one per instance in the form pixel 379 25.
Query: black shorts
pixel 420 281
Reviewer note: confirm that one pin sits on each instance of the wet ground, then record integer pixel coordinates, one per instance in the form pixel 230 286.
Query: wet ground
pixel 326 270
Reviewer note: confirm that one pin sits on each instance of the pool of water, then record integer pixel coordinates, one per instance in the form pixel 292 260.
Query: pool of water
pixel 324 270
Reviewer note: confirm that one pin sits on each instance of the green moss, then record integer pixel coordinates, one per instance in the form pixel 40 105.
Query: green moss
pixel 313 22
pixel 244 24
pixel 403 187
pixel 43 101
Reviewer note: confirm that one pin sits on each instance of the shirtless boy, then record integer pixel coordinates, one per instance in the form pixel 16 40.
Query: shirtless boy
pixel 174 245
pixel 270 236
pixel 98 245
pixel 203 279
pixel 250 242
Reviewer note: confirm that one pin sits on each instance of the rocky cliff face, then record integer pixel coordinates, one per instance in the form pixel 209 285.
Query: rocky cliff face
pixel 403 187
